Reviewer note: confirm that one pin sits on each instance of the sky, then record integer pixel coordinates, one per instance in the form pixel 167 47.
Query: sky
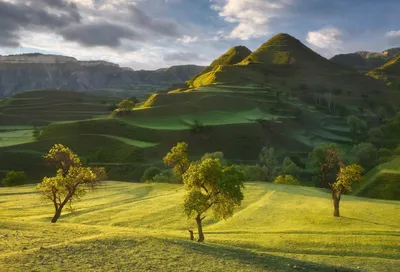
pixel 150 34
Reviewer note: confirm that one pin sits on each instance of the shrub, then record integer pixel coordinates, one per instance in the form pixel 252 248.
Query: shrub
pixel 290 168
pixel 149 173
pixel 286 179
pixel 14 178
pixel 215 155
pixel 165 176
pixel 251 172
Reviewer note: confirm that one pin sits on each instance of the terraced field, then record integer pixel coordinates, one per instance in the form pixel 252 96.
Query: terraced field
pixel 238 120
pixel 141 227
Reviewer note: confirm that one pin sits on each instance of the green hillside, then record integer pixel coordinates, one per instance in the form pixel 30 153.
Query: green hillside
pixel 41 107
pixel 389 73
pixel 382 182
pixel 141 227
pixel 232 56
pixel 365 61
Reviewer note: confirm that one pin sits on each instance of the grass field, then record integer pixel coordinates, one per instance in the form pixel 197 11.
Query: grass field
pixel 141 227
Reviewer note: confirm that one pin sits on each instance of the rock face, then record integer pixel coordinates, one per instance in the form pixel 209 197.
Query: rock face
pixel 37 71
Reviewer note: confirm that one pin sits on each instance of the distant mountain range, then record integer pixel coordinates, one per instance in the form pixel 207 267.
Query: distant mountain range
pixel 38 71
pixel 365 61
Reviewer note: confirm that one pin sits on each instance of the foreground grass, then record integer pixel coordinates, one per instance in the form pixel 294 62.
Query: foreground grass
pixel 141 227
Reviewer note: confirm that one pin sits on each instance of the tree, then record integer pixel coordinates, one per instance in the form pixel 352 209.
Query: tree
pixel 72 180
pixel 286 179
pixel 215 155
pixel 14 178
pixel 126 105
pixel 178 158
pixel 150 173
pixel 345 178
pixel 366 155
pixel 325 162
pixel 290 168
pixel 210 185
pixel 269 162
pixel 356 125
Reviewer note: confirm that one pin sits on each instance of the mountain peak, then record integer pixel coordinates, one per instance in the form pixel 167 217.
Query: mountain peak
pixel 283 49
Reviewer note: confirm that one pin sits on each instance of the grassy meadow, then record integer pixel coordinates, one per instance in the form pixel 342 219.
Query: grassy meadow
pixel 142 227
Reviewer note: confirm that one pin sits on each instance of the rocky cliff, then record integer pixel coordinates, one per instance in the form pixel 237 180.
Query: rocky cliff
pixel 37 71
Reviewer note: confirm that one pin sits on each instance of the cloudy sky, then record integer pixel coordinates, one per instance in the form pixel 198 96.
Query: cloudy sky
pixel 149 34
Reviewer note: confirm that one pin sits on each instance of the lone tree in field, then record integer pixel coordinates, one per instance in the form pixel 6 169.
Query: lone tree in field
pixel 345 178
pixel 72 180
pixel 126 105
pixel 211 186
pixel 325 161
pixel 269 163
pixel 178 158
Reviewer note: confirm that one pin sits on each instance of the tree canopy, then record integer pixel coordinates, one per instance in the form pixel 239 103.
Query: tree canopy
pixel 71 181
pixel 211 186
pixel 178 158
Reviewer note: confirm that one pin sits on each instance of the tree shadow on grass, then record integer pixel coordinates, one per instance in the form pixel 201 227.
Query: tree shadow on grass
pixel 262 261
pixel 371 222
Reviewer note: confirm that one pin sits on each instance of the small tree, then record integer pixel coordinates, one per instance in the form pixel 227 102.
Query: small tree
pixel 126 105
pixel 325 162
pixel 356 125
pixel 290 168
pixel 286 179
pixel 14 178
pixel 345 178
pixel 215 155
pixel 150 173
pixel 366 155
pixel 269 162
pixel 72 180
pixel 210 185
pixel 178 158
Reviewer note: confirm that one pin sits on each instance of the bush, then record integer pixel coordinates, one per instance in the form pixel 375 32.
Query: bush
pixel 14 178
pixel 251 172
pixel 150 173
pixel 286 179
pixel 165 176
pixel 215 155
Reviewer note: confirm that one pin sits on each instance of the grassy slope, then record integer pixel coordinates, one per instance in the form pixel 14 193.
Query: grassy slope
pixel 382 182
pixel 231 57
pixel 45 106
pixel 141 227
pixel 389 72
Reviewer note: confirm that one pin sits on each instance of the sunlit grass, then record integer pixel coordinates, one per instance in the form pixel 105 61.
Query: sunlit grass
pixel 141 227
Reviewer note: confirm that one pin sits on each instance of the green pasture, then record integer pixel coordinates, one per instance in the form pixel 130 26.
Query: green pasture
pixel 141 227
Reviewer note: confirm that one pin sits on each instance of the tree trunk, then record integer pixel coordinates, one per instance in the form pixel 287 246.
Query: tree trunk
pixel 336 201
pixel 200 229
pixel 56 215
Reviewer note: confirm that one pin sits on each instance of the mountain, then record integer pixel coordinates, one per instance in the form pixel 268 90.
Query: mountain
pixel 389 72
pixel 285 60
pixel 365 61
pixel 232 56
pixel 37 71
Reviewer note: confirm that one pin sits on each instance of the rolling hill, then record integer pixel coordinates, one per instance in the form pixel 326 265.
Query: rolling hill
pixel 231 57
pixel 283 95
pixel 142 227
pixel 389 73
pixel 365 61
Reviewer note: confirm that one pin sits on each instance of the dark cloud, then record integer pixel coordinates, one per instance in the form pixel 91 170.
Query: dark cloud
pixel 143 21
pixel 102 33
pixel 181 56
pixel 19 16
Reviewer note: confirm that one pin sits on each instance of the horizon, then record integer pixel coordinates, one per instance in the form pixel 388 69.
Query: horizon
pixel 149 35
